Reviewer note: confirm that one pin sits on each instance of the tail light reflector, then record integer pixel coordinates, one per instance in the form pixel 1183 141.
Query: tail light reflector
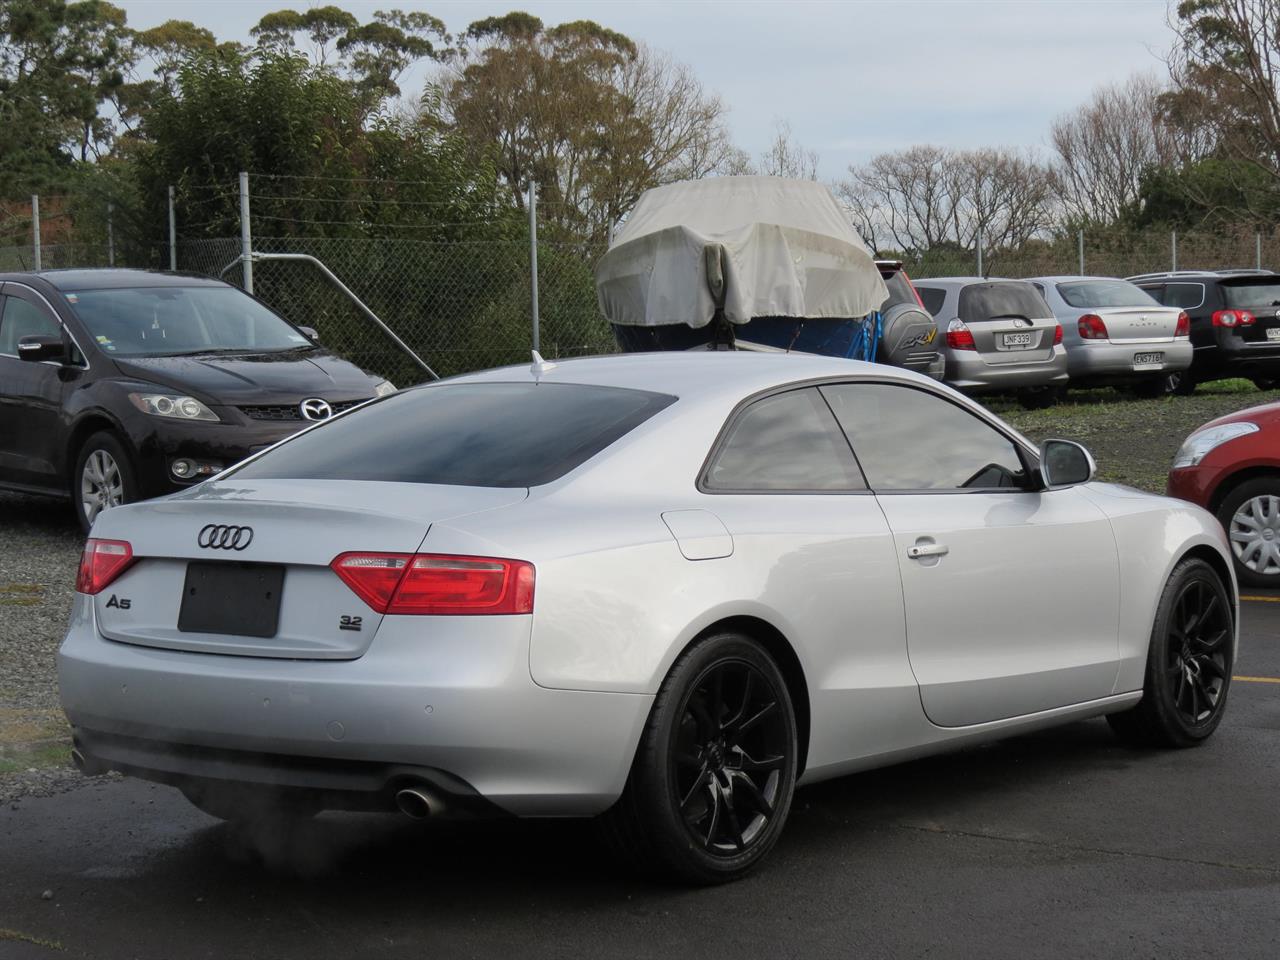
pixel 1183 329
pixel 1091 327
pixel 1233 318
pixel 101 563
pixel 959 336
pixel 1057 334
pixel 437 584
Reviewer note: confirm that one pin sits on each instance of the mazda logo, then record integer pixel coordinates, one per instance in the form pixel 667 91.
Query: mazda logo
pixel 315 409
pixel 222 536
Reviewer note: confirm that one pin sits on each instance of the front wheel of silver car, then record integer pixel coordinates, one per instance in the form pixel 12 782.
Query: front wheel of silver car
pixel 1189 663
pixel 104 478
pixel 711 784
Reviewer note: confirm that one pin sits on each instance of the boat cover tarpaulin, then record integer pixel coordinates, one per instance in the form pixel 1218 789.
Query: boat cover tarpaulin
pixel 780 247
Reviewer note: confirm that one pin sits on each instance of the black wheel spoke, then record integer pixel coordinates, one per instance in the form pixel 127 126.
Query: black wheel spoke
pixel 735 827
pixel 748 687
pixel 751 721
pixel 1210 666
pixel 717 803
pixel 701 718
pixel 742 782
pixel 763 766
pixel 698 785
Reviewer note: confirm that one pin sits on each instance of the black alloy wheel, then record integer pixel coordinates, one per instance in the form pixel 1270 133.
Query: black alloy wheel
pixel 730 756
pixel 1189 662
pixel 712 780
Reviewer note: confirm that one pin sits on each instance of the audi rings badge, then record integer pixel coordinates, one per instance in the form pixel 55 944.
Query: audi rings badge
pixel 222 536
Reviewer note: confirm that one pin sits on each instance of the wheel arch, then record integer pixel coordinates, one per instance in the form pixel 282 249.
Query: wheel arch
pixel 1230 482
pixel 784 655
pixel 86 426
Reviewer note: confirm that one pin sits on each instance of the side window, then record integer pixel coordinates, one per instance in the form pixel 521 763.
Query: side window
pixel 908 439
pixel 18 319
pixel 788 441
pixel 1157 293
pixel 932 298
pixel 1188 296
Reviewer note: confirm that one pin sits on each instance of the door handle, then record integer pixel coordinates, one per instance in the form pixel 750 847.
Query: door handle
pixel 927 549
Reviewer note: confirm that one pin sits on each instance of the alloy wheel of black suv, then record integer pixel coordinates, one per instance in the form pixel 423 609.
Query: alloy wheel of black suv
pixel 119 385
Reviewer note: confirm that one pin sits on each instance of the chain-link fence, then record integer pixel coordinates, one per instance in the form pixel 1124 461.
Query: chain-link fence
pixel 465 302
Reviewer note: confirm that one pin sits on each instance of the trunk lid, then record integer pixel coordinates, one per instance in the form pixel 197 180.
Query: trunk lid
pixel 1003 340
pixel 274 557
pixel 1138 324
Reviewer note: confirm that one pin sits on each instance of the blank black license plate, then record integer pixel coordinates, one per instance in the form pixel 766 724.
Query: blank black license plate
pixel 241 599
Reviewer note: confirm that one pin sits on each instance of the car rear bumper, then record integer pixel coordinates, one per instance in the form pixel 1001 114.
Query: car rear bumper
pixel 967 370
pixel 1114 361
pixel 461 712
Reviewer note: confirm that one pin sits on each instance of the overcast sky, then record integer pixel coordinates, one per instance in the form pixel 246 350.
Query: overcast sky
pixel 853 78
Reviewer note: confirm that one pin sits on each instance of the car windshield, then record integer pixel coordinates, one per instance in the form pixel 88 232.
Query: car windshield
pixel 465 434
pixel 1005 298
pixel 1265 294
pixel 1104 293
pixel 168 321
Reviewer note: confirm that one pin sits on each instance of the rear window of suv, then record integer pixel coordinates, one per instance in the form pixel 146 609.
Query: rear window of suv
pixel 899 290
pixel 465 434
pixel 1239 295
pixel 1006 298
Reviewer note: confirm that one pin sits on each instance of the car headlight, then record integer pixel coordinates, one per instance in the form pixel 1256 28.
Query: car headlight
pixel 1197 446
pixel 384 388
pixel 172 406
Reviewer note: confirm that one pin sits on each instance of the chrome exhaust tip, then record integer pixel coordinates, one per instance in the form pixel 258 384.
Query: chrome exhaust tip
pixel 87 766
pixel 77 758
pixel 417 804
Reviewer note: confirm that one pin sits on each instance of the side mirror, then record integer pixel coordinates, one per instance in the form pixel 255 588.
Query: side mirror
pixel 311 334
pixel 42 348
pixel 1065 464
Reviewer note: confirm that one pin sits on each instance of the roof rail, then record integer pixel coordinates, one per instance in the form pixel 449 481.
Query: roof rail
pixel 1232 272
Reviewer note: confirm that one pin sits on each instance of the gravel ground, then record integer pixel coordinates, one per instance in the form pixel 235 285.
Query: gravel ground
pixel 1133 440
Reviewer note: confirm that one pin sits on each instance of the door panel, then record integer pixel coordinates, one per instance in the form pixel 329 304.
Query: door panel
pixel 30 397
pixel 1020 614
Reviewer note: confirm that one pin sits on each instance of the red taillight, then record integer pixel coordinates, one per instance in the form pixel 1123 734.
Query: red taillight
pixel 100 564
pixel 1091 327
pixel 1057 334
pixel 1183 329
pixel 1233 318
pixel 424 583
pixel 959 336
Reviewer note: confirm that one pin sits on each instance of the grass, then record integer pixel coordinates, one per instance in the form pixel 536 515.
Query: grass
pixel 57 755
pixel 1133 440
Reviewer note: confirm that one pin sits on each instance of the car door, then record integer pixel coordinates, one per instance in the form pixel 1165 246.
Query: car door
pixel 30 393
pixel 1011 593
pixel 811 544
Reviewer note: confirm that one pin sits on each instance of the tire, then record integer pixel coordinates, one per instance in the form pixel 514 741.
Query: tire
pixel 1189 662
pixel 720 746
pixel 103 463
pixel 1251 516
pixel 1153 388
pixel 247 805
pixel 1040 398
pixel 1180 383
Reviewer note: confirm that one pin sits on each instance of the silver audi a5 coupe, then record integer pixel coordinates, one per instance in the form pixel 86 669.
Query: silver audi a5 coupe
pixel 660 589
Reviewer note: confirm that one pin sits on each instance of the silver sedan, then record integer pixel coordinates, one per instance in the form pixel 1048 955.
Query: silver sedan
pixel 662 590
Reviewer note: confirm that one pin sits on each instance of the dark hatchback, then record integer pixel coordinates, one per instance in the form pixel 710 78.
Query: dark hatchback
pixel 1235 323
pixel 120 385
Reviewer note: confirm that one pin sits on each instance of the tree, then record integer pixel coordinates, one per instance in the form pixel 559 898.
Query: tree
pixel 929 197
pixel 594 118
pixel 786 157
pixel 1105 147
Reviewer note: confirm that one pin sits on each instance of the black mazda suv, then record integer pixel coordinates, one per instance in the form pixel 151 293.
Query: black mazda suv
pixel 119 385
pixel 1235 323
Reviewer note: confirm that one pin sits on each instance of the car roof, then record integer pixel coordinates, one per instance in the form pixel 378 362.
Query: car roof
pixel 698 374
pixel 1072 278
pixel 959 282
pixel 1199 275
pixel 113 278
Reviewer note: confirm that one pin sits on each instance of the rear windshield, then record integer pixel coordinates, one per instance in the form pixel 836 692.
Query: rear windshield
pixel 467 434
pixel 1255 294
pixel 1105 293
pixel 899 290
pixel 1005 298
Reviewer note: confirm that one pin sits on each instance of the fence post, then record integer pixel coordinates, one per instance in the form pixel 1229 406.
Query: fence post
pixel 1257 250
pixel 246 241
pixel 1174 250
pixel 533 256
pixel 1080 248
pixel 980 250
pixel 173 235
pixel 35 231
pixel 111 237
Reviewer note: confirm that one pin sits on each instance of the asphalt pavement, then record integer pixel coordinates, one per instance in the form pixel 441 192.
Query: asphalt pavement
pixel 1056 844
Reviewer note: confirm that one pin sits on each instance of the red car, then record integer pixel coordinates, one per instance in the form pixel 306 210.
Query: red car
pixel 1231 467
